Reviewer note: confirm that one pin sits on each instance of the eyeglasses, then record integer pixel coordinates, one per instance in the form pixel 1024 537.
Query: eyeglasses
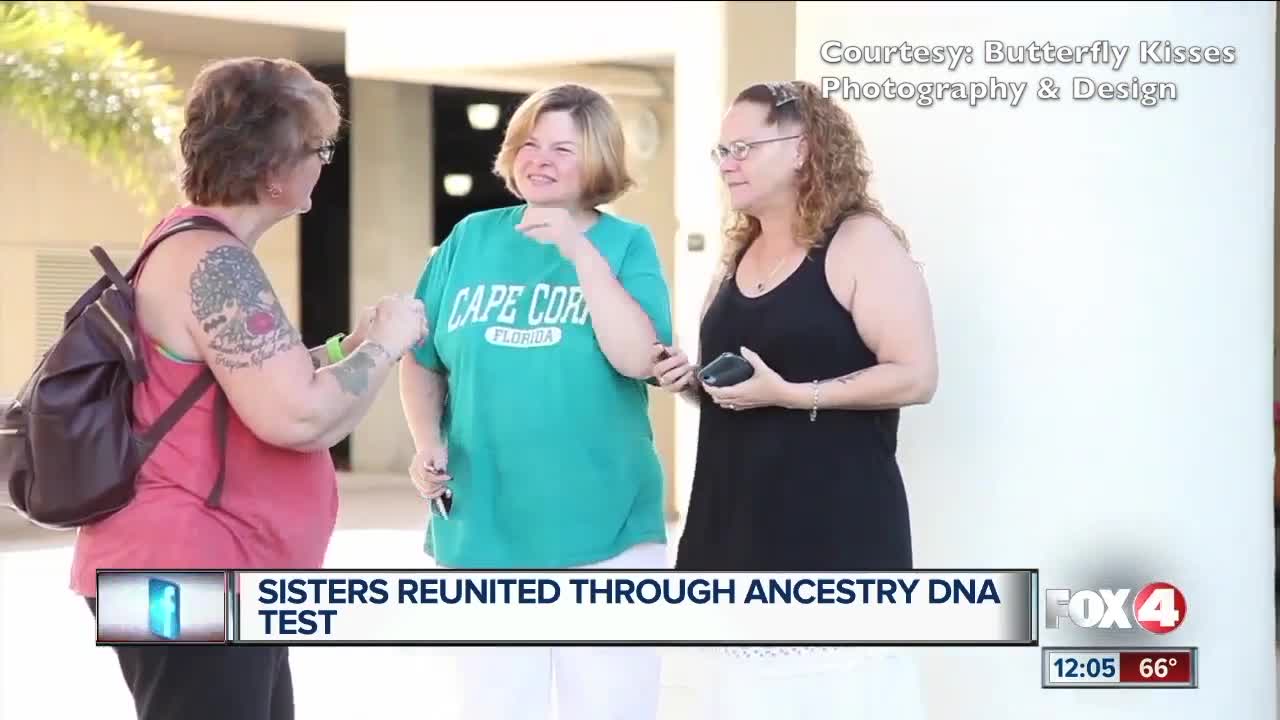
pixel 741 148
pixel 325 152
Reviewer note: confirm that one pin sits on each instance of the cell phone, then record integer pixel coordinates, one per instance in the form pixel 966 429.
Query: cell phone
pixel 726 370
pixel 444 503
pixel 664 355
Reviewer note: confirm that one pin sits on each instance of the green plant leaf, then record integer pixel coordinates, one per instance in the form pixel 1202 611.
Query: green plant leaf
pixel 81 85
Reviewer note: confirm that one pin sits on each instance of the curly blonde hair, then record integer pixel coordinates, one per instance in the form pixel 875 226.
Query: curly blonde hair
pixel 832 183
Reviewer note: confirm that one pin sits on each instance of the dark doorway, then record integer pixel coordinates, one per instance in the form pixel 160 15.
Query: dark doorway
pixel 464 150
pixel 324 246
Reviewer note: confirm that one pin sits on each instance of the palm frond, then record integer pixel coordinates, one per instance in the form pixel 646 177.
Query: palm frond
pixel 82 85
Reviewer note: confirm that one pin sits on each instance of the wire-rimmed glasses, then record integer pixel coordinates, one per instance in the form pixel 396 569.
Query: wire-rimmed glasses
pixel 739 149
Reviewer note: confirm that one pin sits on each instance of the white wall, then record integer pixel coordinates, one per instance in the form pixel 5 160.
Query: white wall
pixel 722 47
pixel 699 103
pixel 328 15
pixel 390 40
pixel 1102 279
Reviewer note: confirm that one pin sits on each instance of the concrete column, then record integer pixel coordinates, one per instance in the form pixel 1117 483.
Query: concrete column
pixel 723 48
pixel 1101 274
pixel 391 235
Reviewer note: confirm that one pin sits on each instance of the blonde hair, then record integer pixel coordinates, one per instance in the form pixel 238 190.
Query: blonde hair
pixel 603 146
pixel 832 183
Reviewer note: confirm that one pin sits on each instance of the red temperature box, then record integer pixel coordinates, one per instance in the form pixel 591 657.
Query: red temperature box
pixel 1158 667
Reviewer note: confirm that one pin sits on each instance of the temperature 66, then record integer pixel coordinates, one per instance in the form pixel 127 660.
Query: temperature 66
pixel 1158 667
pixel 1150 666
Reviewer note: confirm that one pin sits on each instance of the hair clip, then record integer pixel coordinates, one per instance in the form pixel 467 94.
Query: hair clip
pixel 782 93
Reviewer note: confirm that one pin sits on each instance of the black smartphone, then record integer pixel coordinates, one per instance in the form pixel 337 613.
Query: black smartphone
pixel 444 504
pixel 664 355
pixel 728 369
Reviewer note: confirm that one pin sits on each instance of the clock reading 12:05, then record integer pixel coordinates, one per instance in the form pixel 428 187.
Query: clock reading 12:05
pixel 1085 666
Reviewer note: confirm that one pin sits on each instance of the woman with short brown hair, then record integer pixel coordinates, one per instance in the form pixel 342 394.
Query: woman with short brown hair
pixel 257 134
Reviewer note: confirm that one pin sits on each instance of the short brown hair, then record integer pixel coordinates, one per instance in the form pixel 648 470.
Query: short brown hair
pixel 247 117
pixel 604 147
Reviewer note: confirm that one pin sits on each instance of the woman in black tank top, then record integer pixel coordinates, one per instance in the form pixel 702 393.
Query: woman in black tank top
pixel 796 467
pixel 774 488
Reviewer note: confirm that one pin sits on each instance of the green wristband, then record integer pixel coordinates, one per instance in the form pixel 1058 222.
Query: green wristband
pixel 334 346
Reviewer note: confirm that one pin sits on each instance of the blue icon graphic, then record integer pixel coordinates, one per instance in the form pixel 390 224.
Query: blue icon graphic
pixel 163 607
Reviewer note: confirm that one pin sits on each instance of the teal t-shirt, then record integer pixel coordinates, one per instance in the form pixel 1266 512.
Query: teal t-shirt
pixel 550 448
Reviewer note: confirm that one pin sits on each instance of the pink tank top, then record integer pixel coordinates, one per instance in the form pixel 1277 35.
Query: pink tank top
pixel 278 510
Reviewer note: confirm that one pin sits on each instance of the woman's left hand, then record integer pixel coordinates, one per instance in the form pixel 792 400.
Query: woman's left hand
pixel 764 388
pixel 360 333
pixel 552 226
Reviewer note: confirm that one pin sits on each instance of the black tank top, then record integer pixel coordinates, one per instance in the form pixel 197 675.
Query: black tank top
pixel 773 491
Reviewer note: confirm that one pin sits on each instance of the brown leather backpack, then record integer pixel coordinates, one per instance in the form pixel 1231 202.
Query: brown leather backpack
pixel 69 452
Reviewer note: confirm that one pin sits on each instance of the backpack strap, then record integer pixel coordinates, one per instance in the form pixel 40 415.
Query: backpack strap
pixel 169 418
pixel 124 282
pixel 187 400
pixel 220 427
pixel 194 222
pixel 112 273
pixel 193 392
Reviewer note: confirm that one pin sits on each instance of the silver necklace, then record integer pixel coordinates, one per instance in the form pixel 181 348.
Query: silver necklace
pixel 776 268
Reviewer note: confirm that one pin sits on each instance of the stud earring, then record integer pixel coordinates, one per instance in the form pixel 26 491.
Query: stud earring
pixel 274 191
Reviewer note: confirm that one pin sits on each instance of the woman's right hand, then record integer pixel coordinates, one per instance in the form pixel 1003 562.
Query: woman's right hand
pixel 429 471
pixel 674 373
pixel 399 324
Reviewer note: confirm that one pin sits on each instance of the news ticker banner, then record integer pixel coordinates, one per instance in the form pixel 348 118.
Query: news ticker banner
pixel 456 607
pixel 568 607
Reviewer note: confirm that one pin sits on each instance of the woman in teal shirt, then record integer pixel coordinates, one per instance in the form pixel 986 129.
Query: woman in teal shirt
pixel 528 402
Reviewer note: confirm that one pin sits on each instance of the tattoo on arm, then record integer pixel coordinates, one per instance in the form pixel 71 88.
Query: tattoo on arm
pixel 845 379
pixel 353 373
pixel 233 301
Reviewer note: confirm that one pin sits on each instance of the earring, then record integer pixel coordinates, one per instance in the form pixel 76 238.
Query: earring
pixel 274 191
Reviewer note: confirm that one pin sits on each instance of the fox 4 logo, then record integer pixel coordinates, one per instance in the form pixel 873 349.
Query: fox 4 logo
pixel 1157 608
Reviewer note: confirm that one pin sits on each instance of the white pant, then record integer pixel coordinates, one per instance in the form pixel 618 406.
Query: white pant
pixel 591 683
pixel 885 686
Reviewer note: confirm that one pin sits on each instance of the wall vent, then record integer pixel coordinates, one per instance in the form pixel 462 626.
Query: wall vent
pixel 62 276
